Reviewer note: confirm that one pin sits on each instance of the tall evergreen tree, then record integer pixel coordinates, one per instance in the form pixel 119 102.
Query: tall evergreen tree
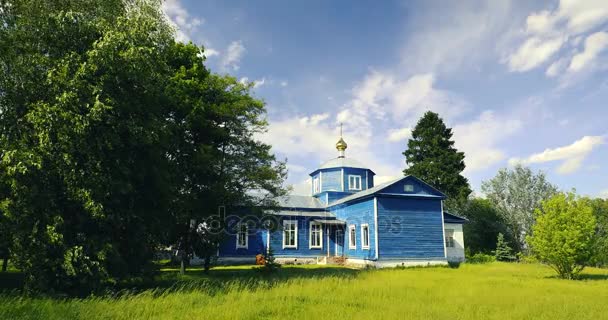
pixel 431 156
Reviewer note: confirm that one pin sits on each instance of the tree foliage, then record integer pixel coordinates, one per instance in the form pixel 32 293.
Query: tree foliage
pixel 600 209
pixel 564 234
pixel 114 137
pixel 432 157
pixel 503 252
pixel 516 193
pixel 484 226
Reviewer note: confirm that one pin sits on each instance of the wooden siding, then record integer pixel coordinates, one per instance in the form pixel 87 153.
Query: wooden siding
pixel 256 242
pixel 332 178
pixel 364 173
pixel 419 188
pixel 358 213
pixel 409 228
pixel 303 248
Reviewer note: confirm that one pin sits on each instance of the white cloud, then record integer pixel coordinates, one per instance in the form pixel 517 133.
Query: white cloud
pixel 547 31
pixel 479 139
pixel 179 17
pixel 534 52
pixel 258 83
pixel 594 44
pixel 284 83
pixel 399 134
pixel 233 56
pixel 604 194
pixel 209 52
pixel 572 155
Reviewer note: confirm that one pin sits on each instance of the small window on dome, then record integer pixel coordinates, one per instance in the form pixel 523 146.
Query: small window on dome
pixel 408 187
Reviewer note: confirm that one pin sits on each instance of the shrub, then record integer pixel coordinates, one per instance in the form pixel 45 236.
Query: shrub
pixel 454 264
pixel 564 234
pixel 481 258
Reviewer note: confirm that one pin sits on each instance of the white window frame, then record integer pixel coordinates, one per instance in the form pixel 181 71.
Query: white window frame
pixel 405 187
pixel 363 237
pixel 238 233
pixel 316 187
pixel 310 244
pixel 352 237
pixel 290 222
pixel 449 238
pixel 355 177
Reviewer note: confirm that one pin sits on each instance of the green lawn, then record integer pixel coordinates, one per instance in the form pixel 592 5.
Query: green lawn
pixel 490 291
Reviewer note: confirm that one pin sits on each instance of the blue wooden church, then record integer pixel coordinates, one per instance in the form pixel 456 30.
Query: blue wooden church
pixel 349 218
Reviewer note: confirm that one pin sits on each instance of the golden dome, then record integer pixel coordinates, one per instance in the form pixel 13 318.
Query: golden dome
pixel 341 145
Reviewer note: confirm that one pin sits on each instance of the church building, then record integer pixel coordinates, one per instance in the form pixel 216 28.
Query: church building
pixel 348 218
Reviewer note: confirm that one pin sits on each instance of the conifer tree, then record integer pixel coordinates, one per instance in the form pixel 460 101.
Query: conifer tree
pixel 503 251
pixel 432 157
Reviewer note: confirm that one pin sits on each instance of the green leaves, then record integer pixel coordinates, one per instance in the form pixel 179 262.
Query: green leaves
pixel 564 234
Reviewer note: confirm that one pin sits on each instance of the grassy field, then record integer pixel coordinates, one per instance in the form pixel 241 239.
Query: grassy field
pixel 490 291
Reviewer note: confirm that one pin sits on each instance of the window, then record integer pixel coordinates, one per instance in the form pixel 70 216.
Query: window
pixel 449 238
pixel 315 186
pixel 408 188
pixel 354 182
pixel 316 235
pixel 241 235
pixel 290 234
pixel 352 237
pixel 365 236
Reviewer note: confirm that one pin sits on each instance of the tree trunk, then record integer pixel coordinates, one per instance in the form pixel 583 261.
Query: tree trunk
pixel 5 264
pixel 207 264
pixel 182 269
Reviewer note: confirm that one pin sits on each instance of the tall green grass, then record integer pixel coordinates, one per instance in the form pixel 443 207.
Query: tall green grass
pixel 490 291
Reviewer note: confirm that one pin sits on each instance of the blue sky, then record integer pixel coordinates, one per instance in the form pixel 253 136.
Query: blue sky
pixel 518 81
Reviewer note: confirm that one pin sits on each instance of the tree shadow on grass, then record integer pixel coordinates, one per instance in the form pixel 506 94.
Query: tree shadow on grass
pixel 224 279
pixel 216 281
pixel 584 277
pixel 11 281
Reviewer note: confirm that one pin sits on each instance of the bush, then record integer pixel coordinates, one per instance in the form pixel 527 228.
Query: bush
pixel 564 234
pixel 454 264
pixel 481 258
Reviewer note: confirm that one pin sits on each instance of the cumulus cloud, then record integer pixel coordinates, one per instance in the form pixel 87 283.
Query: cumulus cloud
pixel 179 17
pixel 572 156
pixel 534 52
pixel 547 32
pixel 594 44
pixel 234 54
pixel 399 134
pixel 479 138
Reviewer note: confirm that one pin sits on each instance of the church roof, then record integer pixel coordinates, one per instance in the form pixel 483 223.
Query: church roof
pixel 342 162
pixel 382 186
pixel 299 201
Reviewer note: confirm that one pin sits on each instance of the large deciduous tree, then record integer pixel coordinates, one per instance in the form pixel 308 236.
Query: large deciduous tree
pixel 564 234
pixel 432 157
pixel 114 137
pixel 516 193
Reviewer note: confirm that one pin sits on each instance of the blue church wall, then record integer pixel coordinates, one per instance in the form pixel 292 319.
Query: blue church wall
pixel 331 180
pixel 411 228
pixel 366 178
pixel 358 213
pixel 303 246
pixel 419 188
pixel 256 241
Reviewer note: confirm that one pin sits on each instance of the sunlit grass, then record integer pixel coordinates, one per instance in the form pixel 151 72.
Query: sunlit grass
pixel 491 291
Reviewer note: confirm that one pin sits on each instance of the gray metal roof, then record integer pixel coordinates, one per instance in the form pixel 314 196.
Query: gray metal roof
pixel 331 222
pixel 298 201
pixel 342 162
